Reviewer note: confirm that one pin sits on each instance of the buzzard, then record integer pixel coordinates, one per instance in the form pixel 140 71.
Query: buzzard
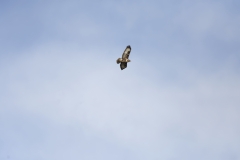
pixel 124 60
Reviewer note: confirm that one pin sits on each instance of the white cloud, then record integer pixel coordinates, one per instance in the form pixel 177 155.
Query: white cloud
pixel 163 106
pixel 126 107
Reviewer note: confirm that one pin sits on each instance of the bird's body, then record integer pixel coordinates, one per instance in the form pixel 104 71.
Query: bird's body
pixel 124 60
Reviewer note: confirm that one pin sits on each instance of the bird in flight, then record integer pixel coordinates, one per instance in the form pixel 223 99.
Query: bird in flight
pixel 124 60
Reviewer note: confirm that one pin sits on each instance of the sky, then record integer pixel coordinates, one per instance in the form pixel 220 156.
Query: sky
pixel 62 95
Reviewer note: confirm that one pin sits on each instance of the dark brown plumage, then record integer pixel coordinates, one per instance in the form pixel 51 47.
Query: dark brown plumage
pixel 124 60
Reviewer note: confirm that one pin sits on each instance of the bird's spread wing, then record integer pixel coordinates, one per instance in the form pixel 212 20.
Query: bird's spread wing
pixel 126 52
pixel 123 65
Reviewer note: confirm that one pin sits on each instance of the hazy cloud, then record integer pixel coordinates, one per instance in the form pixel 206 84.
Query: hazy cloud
pixel 63 96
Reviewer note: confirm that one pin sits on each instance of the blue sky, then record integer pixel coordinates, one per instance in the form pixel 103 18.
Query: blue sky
pixel 62 95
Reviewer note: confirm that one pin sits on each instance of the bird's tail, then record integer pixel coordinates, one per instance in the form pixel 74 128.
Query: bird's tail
pixel 119 60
